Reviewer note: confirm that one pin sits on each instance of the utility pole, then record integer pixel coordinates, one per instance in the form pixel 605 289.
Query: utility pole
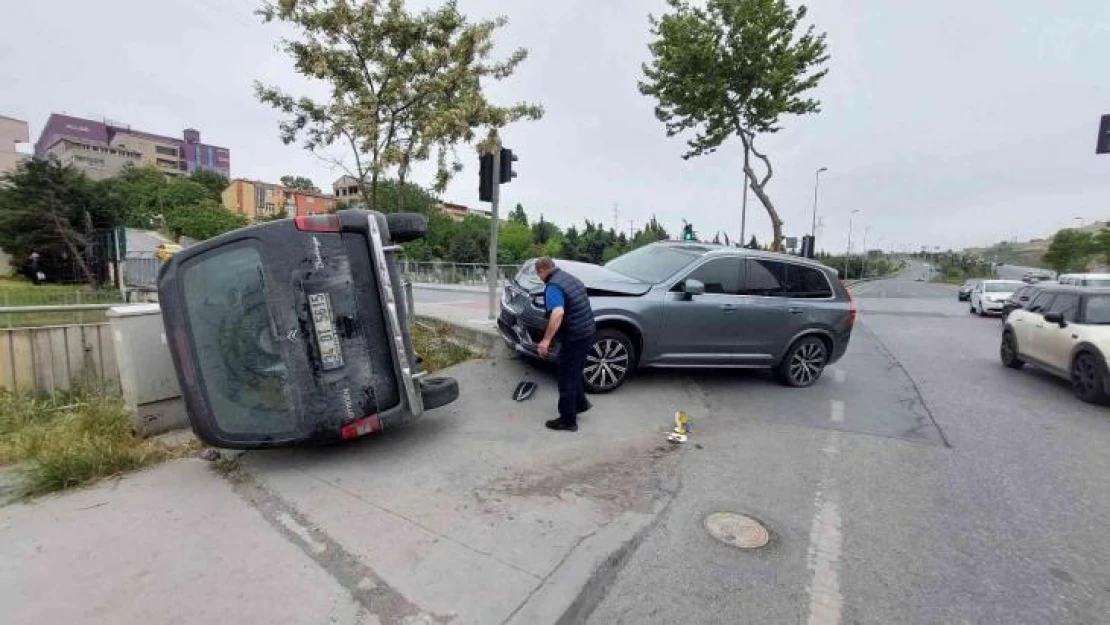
pixel 864 269
pixel 631 230
pixel 816 184
pixel 848 254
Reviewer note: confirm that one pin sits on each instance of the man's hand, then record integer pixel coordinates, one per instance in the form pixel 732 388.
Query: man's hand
pixel 544 348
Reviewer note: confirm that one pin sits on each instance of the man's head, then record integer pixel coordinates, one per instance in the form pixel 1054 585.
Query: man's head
pixel 544 267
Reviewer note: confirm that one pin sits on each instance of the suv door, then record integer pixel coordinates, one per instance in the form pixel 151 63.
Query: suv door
pixel 705 329
pixel 1053 342
pixel 774 315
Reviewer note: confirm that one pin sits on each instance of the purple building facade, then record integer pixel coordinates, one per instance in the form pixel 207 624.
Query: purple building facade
pixel 169 154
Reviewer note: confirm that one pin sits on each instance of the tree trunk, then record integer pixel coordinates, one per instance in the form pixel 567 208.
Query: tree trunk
pixel 765 200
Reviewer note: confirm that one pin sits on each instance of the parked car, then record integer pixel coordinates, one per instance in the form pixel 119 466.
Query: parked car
pixel 1018 299
pixel 964 293
pixel 1085 279
pixel 1066 331
pixel 1032 277
pixel 679 305
pixel 989 296
pixel 919 279
pixel 296 331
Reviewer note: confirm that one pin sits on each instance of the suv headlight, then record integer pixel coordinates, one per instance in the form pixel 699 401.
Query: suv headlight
pixel 513 300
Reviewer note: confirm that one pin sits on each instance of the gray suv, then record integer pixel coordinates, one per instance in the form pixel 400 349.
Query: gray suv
pixel 679 304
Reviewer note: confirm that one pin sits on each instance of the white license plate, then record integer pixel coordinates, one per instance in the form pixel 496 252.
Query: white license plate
pixel 327 341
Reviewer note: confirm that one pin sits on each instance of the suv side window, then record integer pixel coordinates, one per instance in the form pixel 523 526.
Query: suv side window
pixel 767 278
pixel 807 282
pixel 1066 303
pixel 1040 302
pixel 720 276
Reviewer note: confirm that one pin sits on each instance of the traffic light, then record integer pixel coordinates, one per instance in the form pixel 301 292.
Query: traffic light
pixel 507 160
pixel 688 232
pixel 485 178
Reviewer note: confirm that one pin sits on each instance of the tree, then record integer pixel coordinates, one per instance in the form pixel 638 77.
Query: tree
pixel 215 182
pixel 204 221
pixel 570 245
pixel 299 182
pixel 471 242
pixel 142 191
pixel 1102 245
pixel 514 243
pixel 405 197
pixel 1070 250
pixel 733 68
pixel 753 244
pixel 518 215
pixel 401 85
pixel 53 210
pixel 544 231
pixel 650 233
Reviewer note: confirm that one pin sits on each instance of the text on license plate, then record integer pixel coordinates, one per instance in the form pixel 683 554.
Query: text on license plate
pixel 327 341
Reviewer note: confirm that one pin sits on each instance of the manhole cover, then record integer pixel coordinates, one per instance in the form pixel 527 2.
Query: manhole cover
pixel 737 530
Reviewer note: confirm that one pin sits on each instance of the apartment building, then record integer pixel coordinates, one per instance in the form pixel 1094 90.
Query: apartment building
pixel 12 132
pixel 103 148
pixel 258 200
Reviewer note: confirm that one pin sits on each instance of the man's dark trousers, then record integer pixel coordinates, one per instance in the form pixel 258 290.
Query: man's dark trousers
pixel 572 394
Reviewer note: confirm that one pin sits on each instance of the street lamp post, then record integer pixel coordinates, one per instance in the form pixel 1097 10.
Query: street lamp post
pixel 816 184
pixel 848 254
pixel 863 262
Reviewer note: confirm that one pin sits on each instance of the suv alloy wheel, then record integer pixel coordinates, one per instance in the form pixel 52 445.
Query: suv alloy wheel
pixel 609 361
pixel 804 362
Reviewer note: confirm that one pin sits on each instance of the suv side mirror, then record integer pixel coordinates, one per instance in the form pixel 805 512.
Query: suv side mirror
pixel 693 287
pixel 1057 318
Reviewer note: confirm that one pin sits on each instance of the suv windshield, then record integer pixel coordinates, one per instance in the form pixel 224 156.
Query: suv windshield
pixel 1000 287
pixel 653 263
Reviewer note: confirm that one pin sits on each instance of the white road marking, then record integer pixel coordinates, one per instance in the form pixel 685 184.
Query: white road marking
pixel 825 543
pixel 837 411
pixel 838 375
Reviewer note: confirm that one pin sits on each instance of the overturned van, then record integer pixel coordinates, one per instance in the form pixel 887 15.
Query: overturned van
pixel 296 331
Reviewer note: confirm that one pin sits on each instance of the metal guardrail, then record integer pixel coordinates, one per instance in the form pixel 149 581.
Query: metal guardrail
pixel 141 272
pixel 453 273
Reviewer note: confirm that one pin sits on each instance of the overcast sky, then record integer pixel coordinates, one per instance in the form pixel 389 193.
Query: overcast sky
pixel 948 122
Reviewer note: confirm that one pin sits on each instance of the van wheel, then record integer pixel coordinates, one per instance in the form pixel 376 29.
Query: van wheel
pixel 437 392
pixel 804 362
pixel 405 227
pixel 609 361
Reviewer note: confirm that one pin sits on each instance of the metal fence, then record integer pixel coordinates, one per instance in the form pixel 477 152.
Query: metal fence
pixel 141 272
pixel 453 273
pixel 56 358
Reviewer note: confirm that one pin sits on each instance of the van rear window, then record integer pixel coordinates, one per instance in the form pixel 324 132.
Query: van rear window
pixel 237 348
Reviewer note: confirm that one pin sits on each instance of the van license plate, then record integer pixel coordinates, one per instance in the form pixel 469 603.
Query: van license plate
pixel 327 341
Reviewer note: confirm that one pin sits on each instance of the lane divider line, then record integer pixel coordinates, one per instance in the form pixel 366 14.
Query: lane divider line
pixel 836 411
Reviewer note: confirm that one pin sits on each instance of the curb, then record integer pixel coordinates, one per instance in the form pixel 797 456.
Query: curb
pixel 486 341
pixel 457 288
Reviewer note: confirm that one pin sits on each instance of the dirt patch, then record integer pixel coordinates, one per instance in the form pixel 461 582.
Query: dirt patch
pixel 631 480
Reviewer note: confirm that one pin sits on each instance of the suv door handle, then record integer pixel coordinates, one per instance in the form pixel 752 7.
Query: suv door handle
pixel 794 310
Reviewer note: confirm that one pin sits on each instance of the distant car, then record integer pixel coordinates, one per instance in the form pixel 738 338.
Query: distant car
pixel 919 279
pixel 1066 331
pixel 989 296
pixel 1019 299
pixel 680 305
pixel 1085 279
pixel 964 293
pixel 1031 277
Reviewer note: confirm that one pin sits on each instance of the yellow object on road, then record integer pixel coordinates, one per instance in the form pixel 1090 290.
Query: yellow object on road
pixel 681 428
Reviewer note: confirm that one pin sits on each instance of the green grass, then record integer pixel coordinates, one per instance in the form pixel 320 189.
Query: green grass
pixel 19 292
pixel 438 347
pixel 71 440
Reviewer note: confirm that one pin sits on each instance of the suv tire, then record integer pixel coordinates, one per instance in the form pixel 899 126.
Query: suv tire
pixel 1087 381
pixel 803 363
pixel 405 227
pixel 610 351
pixel 1008 351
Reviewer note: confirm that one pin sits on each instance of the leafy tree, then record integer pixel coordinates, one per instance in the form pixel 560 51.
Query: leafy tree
pixel 1102 245
pixel 553 248
pixel 215 182
pixel 514 243
pixel 570 245
pixel 1070 250
pixel 299 182
pixel 519 216
pixel 544 231
pixel 401 84
pixel 204 221
pixel 405 197
pixel 650 233
pixel 733 68
pixel 142 191
pixel 178 193
pixel 471 242
pixel 52 210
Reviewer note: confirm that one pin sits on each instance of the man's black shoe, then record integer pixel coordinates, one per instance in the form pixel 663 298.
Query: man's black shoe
pixel 559 424
pixel 585 408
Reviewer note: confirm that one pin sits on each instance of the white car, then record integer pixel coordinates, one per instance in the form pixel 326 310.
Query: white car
pixel 1066 331
pixel 989 296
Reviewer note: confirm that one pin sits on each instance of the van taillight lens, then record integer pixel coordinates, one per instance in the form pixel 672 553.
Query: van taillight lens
pixel 362 427
pixel 317 223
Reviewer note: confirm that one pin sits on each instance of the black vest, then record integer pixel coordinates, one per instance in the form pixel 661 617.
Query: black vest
pixel 578 317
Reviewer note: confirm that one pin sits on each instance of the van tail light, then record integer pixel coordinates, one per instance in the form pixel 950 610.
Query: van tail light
pixel 317 223
pixel 852 310
pixel 362 427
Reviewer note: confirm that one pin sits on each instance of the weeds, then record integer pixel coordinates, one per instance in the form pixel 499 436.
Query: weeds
pixel 72 440
pixel 437 347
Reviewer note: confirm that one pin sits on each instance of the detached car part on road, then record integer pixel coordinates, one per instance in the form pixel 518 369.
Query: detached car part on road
pixel 682 305
pixel 1066 331
pixel 296 331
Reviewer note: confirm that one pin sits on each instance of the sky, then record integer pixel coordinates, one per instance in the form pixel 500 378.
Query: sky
pixel 944 123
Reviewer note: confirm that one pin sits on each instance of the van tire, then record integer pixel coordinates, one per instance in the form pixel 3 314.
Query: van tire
pixel 438 392
pixel 405 227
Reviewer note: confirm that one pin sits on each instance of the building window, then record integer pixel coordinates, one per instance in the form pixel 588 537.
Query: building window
pixel 165 151
pixel 167 163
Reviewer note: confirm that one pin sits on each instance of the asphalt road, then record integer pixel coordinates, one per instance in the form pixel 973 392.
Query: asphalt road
pixel 919 482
